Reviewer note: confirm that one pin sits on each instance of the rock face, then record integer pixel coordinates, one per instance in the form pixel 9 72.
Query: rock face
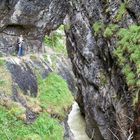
pixel 103 94
pixel 32 19
pixel 65 70
pixel 23 73
pixel 22 82
pixel 21 85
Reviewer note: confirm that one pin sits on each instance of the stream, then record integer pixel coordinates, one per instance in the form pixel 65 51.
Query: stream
pixel 77 123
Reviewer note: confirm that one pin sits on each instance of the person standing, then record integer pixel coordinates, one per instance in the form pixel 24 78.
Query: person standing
pixel 20 43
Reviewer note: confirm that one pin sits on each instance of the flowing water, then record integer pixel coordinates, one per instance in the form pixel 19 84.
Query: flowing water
pixel 77 123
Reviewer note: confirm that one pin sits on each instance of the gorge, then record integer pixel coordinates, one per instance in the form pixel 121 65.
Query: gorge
pixel 103 44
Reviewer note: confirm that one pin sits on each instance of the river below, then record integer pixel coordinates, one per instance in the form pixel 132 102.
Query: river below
pixel 76 123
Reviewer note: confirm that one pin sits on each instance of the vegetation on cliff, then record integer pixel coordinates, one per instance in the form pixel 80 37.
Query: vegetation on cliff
pixel 56 40
pixel 126 50
pixel 49 107
pixel 43 128
pixel 54 95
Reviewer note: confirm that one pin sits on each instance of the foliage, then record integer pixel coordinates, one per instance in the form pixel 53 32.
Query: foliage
pixel 5 78
pixel 97 27
pixel 52 60
pixel 56 40
pixel 54 94
pixel 110 29
pixel 102 78
pixel 2 62
pixel 121 12
pixel 54 98
pixel 43 128
pixel 135 98
pixel 127 51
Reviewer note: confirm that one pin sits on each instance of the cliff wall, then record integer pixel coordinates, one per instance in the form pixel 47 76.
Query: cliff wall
pixel 105 92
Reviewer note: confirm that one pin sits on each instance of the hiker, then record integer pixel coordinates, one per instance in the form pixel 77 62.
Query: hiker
pixel 19 47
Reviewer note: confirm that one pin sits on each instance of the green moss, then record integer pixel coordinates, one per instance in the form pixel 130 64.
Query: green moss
pixel 107 30
pixel 110 29
pixel 31 136
pixel 16 109
pixel 128 55
pixel 67 27
pixel 121 12
pixel 2 62
pixel 134 28
pixel 2 82
pixel 97 27
pixel 33 57
pixel 135 98
pixel 5 79
pixel 102 78
pixel 54 98
pixel 127 48
pixel 54 94
pixel 138 83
